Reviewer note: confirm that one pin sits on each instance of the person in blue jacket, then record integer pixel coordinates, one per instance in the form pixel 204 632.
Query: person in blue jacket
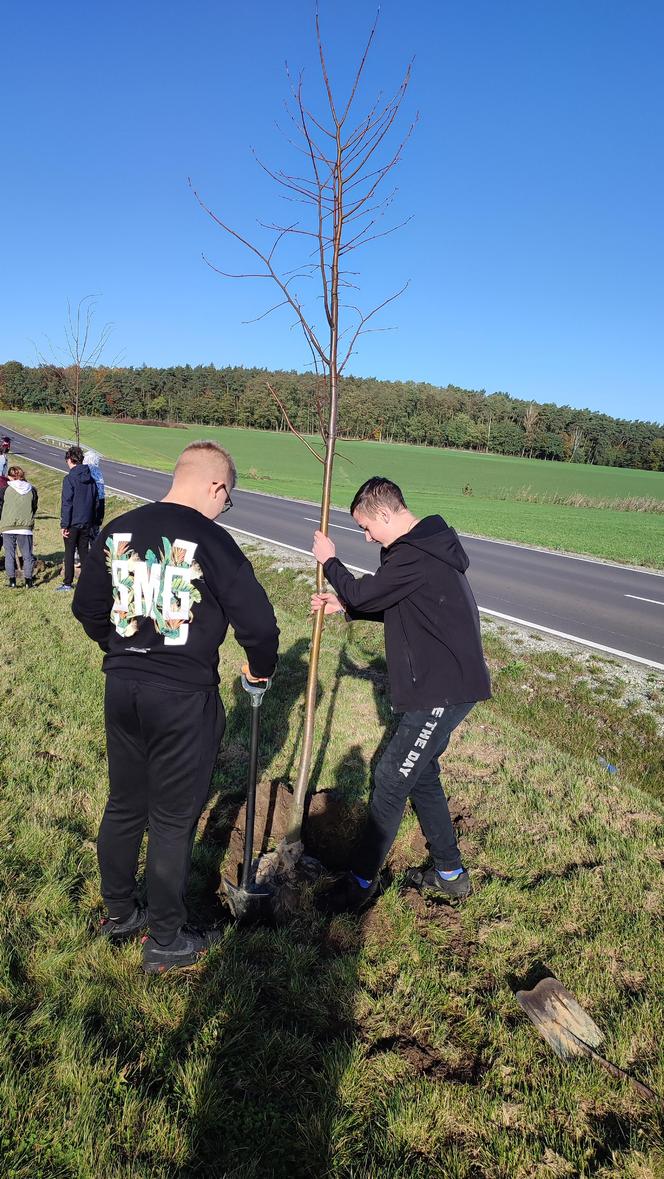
pixel 78 512
pixel 93 460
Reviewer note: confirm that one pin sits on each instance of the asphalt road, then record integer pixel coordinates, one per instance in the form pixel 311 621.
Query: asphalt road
pixel 613 608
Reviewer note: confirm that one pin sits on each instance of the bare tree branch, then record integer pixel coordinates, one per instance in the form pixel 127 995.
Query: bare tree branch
pixel 291 426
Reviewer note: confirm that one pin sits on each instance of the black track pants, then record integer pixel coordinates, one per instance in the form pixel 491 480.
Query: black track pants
pixel 409 769
pixel 79 538
pixel 162 746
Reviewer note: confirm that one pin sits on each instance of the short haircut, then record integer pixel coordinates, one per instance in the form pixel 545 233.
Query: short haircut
pixel 16 473
pixel 74 454
pixel 378 492
pixel 207 448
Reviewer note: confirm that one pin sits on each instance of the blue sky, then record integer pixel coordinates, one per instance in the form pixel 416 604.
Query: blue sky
pixel 535 254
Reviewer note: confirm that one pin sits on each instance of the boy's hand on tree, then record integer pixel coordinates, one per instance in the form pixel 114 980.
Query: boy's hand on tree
pixel 323 547
pixel 329 601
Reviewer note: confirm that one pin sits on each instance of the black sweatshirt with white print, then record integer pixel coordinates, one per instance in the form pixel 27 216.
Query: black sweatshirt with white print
pixel 432 626
pixel 159 588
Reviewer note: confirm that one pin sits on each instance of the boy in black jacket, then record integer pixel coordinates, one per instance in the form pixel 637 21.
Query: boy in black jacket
pixel 436 669
pixel 158 590
pixel 78 512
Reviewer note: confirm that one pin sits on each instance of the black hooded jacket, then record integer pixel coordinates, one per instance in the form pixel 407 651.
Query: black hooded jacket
pixel 78 506
pixel 432 627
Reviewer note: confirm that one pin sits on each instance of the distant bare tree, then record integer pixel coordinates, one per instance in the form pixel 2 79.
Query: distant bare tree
pixel 342 195
pixel 77 360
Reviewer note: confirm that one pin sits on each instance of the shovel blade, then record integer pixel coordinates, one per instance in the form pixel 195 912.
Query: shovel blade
pixel 248 904
pixel 559 1019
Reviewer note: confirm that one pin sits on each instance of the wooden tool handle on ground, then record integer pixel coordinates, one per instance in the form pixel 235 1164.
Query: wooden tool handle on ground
pixel 614 1069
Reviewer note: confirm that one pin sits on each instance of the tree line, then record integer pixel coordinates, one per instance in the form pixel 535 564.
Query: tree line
pixel 389 411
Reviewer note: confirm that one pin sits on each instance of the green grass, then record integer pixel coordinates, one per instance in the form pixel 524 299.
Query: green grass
pixel 388 1047
pixel 432 479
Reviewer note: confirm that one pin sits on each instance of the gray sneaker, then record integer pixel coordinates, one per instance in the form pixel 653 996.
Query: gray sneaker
pixel 64 589
pixel 430 883
pixel 187 948
pixel 121 931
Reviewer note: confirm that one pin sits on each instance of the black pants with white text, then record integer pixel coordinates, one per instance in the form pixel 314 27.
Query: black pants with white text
pixel 409 769
pixel 162 745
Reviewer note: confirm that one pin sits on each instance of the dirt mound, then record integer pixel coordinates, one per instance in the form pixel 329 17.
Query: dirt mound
pixel 438 915
pixel 423 1059
pixel 330 828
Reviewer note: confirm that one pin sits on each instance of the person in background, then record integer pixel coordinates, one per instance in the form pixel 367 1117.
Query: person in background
pixel 78 511
pixel 93 460
pixel 5 444
pixel 3 487
pixel 17 523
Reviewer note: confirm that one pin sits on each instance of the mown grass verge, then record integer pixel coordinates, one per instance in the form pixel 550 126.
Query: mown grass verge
pixel 390 1046
pixel 566 506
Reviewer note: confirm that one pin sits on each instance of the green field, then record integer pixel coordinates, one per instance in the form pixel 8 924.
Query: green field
pixel 389 1047
pixel 433 480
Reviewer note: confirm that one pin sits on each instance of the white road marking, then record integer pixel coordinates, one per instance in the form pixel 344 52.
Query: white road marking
pixel 654 601
pixel 344 527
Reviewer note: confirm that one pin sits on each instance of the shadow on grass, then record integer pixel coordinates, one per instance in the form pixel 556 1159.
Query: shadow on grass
pixel 376 674
pixel 268 1037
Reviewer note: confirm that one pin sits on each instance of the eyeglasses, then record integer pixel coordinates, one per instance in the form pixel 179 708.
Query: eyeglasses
pixel 229 502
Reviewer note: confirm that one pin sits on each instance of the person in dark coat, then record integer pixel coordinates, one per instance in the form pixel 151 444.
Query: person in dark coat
pixel 437 673
pixel 78 512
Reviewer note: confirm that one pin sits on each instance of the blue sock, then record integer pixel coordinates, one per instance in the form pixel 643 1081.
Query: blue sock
pixel 449 875
pixel 361 881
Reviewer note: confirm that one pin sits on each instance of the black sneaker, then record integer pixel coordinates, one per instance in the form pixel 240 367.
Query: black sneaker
pixel 430 883
pixel 11 584
pixel 188 947
pixel 121 931
pixel 347 896
pixel 29 583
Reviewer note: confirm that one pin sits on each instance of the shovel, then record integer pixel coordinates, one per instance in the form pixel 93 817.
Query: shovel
pixel 249 901
pixel 569 1030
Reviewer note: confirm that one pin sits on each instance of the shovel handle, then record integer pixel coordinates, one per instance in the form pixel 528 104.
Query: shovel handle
pixel 614 1069
pixel 255 689
pixel 251 792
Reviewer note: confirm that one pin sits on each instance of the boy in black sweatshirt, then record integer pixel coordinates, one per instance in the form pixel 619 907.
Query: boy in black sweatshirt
pixel 436 669
pixel 78 511
pixel 159 588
